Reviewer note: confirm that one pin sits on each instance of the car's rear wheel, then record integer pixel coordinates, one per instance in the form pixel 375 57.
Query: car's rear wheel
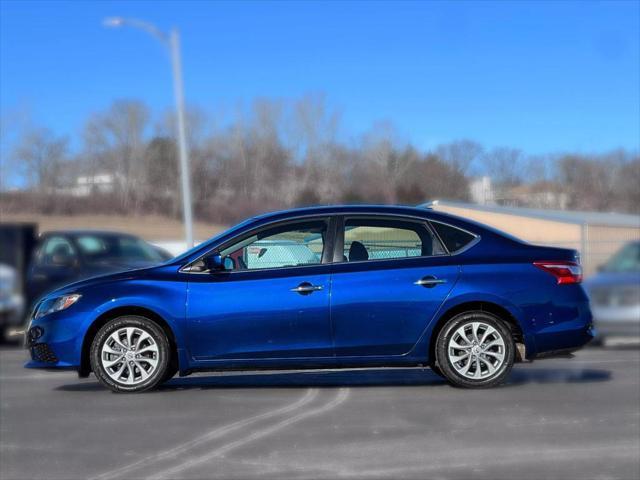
pixel 130 354
pixel 475 350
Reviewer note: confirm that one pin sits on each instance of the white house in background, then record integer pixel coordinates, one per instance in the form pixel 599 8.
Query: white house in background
pixel 481 190
pixel 536 195
pixel 86 185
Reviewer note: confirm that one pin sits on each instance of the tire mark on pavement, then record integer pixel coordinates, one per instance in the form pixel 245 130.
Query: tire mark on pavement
pixel 342 396
pixel 310 394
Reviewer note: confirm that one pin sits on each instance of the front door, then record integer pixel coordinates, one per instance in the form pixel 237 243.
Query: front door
pixel 271 300
pixel 392 279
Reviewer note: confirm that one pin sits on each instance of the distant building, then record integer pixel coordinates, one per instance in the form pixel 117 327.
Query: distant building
pixel 535 195
pixel 86 185
pixel 481 191
pixel 547 195
pixel 596 235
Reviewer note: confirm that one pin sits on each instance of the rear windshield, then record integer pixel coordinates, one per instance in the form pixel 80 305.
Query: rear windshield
pixel 453 238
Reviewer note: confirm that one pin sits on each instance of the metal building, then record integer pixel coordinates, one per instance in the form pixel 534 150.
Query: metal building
pixel 596 235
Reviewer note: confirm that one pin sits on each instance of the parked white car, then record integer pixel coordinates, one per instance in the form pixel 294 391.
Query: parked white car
pixel 11 301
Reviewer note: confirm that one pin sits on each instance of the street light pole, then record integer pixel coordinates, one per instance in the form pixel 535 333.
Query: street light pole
pixel 172 41
pixel 178 89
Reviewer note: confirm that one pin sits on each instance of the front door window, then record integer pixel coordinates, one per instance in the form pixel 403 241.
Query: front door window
pixel 292 245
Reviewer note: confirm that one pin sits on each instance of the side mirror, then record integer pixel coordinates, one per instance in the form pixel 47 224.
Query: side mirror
pixel 214 262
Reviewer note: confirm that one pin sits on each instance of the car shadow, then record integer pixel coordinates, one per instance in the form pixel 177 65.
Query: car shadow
pixel 390 377
pixel 557 375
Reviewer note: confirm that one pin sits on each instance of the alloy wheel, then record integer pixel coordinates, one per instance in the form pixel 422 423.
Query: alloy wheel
pixel 130 355
pixel 476 350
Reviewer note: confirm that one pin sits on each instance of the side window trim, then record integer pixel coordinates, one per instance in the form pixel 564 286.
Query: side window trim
pixel 423 222
pixel 326 254
pixel 467 246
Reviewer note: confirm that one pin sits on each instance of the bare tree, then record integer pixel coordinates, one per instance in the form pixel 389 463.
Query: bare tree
pixel 460 155
pixel 503 165
pixel 115 141
pixel 41 154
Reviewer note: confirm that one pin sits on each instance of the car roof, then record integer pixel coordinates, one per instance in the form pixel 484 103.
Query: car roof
pixel 343 209
pixel 402 210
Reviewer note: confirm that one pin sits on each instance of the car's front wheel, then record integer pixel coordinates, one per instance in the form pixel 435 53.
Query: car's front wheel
pixel 130 354
pixel 475 350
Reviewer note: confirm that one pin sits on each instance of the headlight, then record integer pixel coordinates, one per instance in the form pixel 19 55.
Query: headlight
pixel 56 304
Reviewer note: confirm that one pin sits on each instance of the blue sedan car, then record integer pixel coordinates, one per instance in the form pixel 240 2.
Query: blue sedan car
pixel 323 287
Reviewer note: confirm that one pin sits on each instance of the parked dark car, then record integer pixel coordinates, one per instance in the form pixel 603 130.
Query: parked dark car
pixel 615 295
pixel 325 287
pixel 63 257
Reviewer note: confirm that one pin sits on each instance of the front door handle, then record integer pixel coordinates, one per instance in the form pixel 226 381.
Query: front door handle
pixel 305 288
pixel 429 281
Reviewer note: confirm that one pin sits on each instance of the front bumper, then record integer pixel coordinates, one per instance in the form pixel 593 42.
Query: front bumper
pixel 55 341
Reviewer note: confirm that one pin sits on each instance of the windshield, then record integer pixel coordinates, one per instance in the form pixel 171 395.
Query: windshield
pixel 212 240
pixel 98 248
pixel 625 260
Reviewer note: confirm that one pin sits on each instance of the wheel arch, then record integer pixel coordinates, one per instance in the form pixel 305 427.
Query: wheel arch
pixel 481 306
pixel 105 317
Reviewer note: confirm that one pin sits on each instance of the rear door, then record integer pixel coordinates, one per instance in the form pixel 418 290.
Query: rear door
pixel 390 277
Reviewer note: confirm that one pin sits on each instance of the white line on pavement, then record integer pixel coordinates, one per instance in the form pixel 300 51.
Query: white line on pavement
pixel 343 394
pixel 217 432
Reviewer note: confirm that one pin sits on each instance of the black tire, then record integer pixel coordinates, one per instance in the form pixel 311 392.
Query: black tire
pixel 436 369
pixel 446 365
pixel 141 324
pixel 172 369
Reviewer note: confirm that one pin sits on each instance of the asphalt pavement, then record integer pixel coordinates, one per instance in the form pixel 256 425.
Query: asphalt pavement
pixel 558 419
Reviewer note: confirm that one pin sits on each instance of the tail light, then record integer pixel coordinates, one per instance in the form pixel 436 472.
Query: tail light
pixel 565 272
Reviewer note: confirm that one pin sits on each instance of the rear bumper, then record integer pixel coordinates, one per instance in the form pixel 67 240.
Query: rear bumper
pixel 567 335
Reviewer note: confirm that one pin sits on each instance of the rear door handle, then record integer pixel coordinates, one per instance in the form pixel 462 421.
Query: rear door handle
pixel 305 288
pixel 429 282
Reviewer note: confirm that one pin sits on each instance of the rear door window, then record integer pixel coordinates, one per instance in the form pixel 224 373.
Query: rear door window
pixel 382 239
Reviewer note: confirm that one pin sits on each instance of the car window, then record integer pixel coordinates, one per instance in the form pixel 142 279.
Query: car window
pixel 54 248
pixel 97 248
pixel 453 238
pixel 374 239
pixel 625 260
pixel 290 245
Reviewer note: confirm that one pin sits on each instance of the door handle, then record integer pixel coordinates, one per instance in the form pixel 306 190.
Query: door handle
pixel 429 282
pixel 306 288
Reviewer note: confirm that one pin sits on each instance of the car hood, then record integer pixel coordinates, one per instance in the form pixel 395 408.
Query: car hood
pixel 610 279
pixel 101 279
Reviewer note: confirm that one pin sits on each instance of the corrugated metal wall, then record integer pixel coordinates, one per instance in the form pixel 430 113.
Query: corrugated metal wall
pixel 596 243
